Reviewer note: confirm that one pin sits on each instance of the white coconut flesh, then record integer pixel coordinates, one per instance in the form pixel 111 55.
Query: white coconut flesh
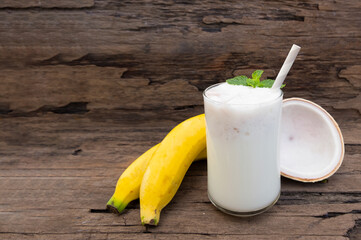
pixel 311 143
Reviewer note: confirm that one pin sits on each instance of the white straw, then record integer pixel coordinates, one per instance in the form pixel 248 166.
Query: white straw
pixel 286 66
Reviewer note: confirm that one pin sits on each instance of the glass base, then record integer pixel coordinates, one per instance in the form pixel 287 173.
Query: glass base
pixel 244 214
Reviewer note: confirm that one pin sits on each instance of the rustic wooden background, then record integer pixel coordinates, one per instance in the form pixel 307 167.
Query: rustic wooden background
pixel 86 86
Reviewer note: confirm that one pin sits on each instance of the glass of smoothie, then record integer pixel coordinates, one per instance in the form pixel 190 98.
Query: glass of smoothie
pixel 243 129
pixel 243 118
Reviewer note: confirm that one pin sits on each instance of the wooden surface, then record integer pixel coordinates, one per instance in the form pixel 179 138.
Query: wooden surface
pixel 87 86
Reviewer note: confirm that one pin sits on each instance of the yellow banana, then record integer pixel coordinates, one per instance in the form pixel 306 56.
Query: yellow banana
pixel 128 184
pixel 168 166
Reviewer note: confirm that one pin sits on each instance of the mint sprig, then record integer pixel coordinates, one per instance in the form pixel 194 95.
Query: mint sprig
pixel 252 82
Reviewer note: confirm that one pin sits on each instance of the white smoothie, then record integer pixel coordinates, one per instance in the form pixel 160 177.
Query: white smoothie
pixel 243 126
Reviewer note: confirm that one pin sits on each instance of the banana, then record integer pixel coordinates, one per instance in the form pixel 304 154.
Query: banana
pixel 168 166
pixel 128 184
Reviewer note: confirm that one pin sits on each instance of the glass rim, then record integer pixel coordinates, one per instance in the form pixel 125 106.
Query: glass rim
pixel 218 102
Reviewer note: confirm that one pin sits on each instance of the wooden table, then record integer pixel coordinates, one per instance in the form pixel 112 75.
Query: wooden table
pixel 87 86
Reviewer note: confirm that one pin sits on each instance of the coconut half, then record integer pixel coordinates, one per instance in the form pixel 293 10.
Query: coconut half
pixel 311 143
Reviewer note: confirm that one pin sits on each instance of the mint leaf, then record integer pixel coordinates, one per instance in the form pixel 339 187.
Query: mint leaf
pixel 256 75
pixel 251 83
pixel 268 83
pixel 239 80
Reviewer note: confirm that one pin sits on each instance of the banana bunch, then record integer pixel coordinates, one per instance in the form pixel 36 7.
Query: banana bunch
pixel 156 175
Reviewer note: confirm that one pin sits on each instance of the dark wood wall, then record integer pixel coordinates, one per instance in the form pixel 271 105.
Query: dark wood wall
pixel 160 55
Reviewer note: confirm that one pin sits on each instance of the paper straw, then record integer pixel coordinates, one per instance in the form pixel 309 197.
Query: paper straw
pixel 286 66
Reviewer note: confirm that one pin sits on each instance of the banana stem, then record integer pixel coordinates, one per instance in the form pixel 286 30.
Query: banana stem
pixel 115 205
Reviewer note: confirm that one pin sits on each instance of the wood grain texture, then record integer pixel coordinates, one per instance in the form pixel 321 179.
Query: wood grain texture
pixel 23 4
pixel 69 163
pixel 87 86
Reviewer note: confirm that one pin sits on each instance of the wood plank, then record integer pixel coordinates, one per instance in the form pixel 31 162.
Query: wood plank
pixel 207 221
pixel 49 128
pixel 101 87
pixel 161 236
pixel 92 193
pixel 21 4
pixel 98 87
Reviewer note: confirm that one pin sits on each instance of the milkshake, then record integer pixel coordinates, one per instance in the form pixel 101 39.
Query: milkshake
pixel 243 126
